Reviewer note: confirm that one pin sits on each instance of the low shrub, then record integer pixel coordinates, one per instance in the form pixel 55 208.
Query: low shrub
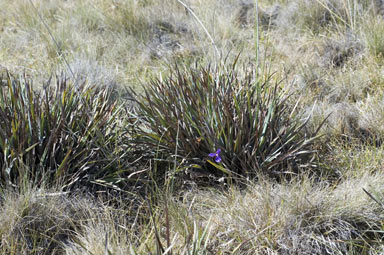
pixel 226 120
pixel 67 133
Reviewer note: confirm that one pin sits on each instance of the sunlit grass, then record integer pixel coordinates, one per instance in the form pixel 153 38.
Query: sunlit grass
pixel 328 55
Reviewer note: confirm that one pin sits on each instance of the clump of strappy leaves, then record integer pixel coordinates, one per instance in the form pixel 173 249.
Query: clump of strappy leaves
pixel 227 120
pixel 64 132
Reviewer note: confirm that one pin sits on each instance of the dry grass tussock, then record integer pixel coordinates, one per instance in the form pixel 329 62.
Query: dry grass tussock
pixel 301 217
pixel 328 52
pixel 39 222
pixel 295 218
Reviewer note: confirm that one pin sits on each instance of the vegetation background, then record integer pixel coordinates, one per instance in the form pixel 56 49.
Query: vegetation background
pixel 109 110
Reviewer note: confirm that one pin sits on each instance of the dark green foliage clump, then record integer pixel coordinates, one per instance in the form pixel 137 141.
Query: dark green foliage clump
pixel 65 133
pixel 197 111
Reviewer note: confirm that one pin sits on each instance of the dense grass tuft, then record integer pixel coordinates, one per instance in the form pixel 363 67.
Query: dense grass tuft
pixel 65 133
pixel 197 111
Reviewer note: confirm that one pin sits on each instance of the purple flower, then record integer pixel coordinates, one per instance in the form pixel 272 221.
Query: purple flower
pixel 216 155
